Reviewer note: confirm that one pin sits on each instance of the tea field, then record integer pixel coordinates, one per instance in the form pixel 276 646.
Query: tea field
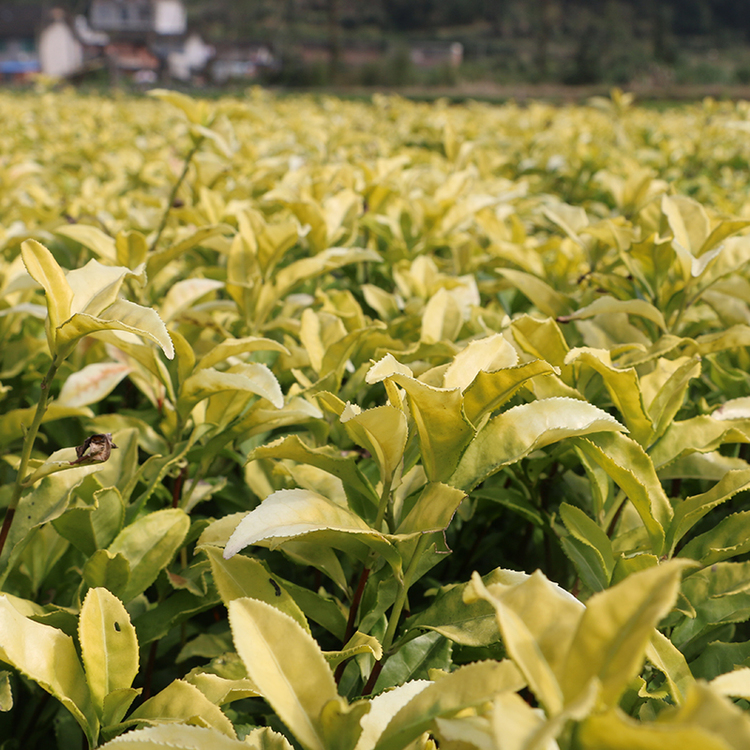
pixel 344 425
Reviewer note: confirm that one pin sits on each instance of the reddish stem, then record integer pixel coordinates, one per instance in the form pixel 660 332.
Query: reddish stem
pixel 353 610
pixel 7 522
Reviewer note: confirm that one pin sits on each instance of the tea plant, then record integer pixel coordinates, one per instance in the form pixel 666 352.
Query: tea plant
pixel 425 427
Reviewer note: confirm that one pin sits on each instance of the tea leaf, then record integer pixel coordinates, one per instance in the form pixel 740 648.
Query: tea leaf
pixel 48 657
pixel 109 647
pixel 287 666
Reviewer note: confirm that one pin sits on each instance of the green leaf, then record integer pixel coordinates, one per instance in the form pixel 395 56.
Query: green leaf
pixel 668 659
pixel 729 538
pixel 244 577
pixel 703 434
pixel 6 696
pixel 615 730
pixel 107 570
pixel 719 594
pixel 116 705
pixel 631 469
pixel 689 511
pixel 490 390
pixel 542 339
pixel 328 260
pixel 705 721
pixel 587 562
pixel 517 432
pixel 466 687
pixel 358 644
pixel 48 657
pixel 131 248
pixel 319 607
pixel 148 545
pixel 414 660
pixel 718 658
pixel 286 664
pixel 91 527
pixel 589 533
pixel 44 503
pixel 471 623
pixel 160 259
pixel 155 623
pixel 669 400
pixel 616 628
pixel 109 647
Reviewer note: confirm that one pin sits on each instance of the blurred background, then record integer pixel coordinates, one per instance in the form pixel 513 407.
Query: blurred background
pixel 647 44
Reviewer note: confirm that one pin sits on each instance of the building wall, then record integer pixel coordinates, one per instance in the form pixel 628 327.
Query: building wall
pixel 60 53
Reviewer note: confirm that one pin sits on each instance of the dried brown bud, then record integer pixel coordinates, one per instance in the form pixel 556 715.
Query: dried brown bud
pixel 95 449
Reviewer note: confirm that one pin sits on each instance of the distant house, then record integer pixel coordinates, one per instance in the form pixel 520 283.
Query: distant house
pixel 147 37
pixel 33 40
pixel 191 59
pixel 432 54
pixel 161 17
pixel 19 30
pixel 238 62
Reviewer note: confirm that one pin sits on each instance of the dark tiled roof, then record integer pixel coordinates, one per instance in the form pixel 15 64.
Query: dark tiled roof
pixel 20 20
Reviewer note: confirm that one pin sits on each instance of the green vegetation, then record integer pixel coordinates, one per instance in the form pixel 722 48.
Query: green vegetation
pixel 373 426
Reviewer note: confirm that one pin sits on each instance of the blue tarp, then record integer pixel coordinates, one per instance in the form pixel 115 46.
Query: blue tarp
pixel 16 67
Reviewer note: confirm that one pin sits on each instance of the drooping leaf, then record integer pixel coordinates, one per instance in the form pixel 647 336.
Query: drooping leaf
pixel 120 316
pixel 294 514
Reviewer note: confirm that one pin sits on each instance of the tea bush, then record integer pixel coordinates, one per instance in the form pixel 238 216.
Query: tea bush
pixel 373 426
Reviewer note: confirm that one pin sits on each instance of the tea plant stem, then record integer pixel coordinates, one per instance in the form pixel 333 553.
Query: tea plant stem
pixel 384 504
pixel 28 446
pixel 173 194
pixel 398 607
pixel 353 610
